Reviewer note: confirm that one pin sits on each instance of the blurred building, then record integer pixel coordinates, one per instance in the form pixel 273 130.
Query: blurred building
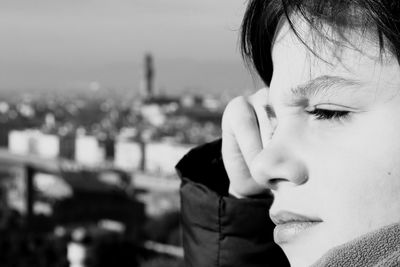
pixel 47 145
pixel 88 150
pixel 161 157
pixel 148 73
pixel 127 155
pixel 18 142
pixel 34 142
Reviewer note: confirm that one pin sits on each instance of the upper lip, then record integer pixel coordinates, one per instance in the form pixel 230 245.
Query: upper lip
pixel 283 217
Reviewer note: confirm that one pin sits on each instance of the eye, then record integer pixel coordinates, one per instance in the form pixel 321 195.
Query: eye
pixel 327 114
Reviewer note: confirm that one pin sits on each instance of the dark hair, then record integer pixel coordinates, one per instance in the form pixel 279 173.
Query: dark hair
pixel 262 17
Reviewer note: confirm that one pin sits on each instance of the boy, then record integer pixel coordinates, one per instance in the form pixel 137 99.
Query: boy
pixel 322 137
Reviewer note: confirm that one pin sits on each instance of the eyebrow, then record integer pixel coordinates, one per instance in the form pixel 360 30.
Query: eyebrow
pixel 324 85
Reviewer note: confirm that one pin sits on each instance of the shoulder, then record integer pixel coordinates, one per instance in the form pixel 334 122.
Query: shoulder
pixel 203 165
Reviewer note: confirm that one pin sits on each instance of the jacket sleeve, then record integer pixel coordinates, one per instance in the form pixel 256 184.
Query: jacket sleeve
pixel 220 230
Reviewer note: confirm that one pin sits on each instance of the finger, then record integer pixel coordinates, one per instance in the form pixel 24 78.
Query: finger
pixel 240 144
pixel 240 121
pixel 241 182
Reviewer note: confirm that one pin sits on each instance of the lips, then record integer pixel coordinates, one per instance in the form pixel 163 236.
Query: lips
pixel 290 225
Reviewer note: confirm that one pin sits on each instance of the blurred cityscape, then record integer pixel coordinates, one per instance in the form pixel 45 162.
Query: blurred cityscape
pixel 87 177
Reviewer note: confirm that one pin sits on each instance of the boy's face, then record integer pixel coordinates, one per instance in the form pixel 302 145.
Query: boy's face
pixel 335 154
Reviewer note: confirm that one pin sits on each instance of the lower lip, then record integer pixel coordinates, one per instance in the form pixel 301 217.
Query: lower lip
pixel 284 233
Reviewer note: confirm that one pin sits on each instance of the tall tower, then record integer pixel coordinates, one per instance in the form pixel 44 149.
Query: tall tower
pixel 148 76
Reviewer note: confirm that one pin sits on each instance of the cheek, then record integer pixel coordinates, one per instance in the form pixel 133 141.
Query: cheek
pixel 357 177
pixel 353 198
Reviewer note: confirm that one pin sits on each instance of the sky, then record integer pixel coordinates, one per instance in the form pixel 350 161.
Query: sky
pixel 61 44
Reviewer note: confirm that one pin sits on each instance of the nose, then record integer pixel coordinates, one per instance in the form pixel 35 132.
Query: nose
pixel 277 164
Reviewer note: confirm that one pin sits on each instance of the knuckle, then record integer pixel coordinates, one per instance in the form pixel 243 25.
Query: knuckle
pixel 238 108
pixel 236 103
pixel 232 109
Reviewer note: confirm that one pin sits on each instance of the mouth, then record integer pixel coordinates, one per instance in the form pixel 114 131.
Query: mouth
pixel 289 225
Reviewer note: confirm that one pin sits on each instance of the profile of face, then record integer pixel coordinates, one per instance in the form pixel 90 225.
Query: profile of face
pixel 333 162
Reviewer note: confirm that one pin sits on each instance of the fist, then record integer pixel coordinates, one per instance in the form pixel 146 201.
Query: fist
pixel 246 128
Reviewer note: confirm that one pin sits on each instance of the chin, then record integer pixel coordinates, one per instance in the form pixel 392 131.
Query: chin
pixel 300 258
pixel 304 253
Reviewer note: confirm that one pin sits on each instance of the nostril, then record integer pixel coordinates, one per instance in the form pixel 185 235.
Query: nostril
pixel 274 182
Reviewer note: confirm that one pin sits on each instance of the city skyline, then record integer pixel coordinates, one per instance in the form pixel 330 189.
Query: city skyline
pixel 63 44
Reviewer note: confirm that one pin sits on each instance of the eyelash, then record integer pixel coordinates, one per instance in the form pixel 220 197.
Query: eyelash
pixel 327 114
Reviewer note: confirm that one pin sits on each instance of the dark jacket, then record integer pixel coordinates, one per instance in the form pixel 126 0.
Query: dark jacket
pixel 220 230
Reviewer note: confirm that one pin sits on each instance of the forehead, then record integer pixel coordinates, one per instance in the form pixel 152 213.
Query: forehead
pixel 297 61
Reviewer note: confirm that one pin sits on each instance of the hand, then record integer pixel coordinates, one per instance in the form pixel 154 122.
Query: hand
pixel 245 129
